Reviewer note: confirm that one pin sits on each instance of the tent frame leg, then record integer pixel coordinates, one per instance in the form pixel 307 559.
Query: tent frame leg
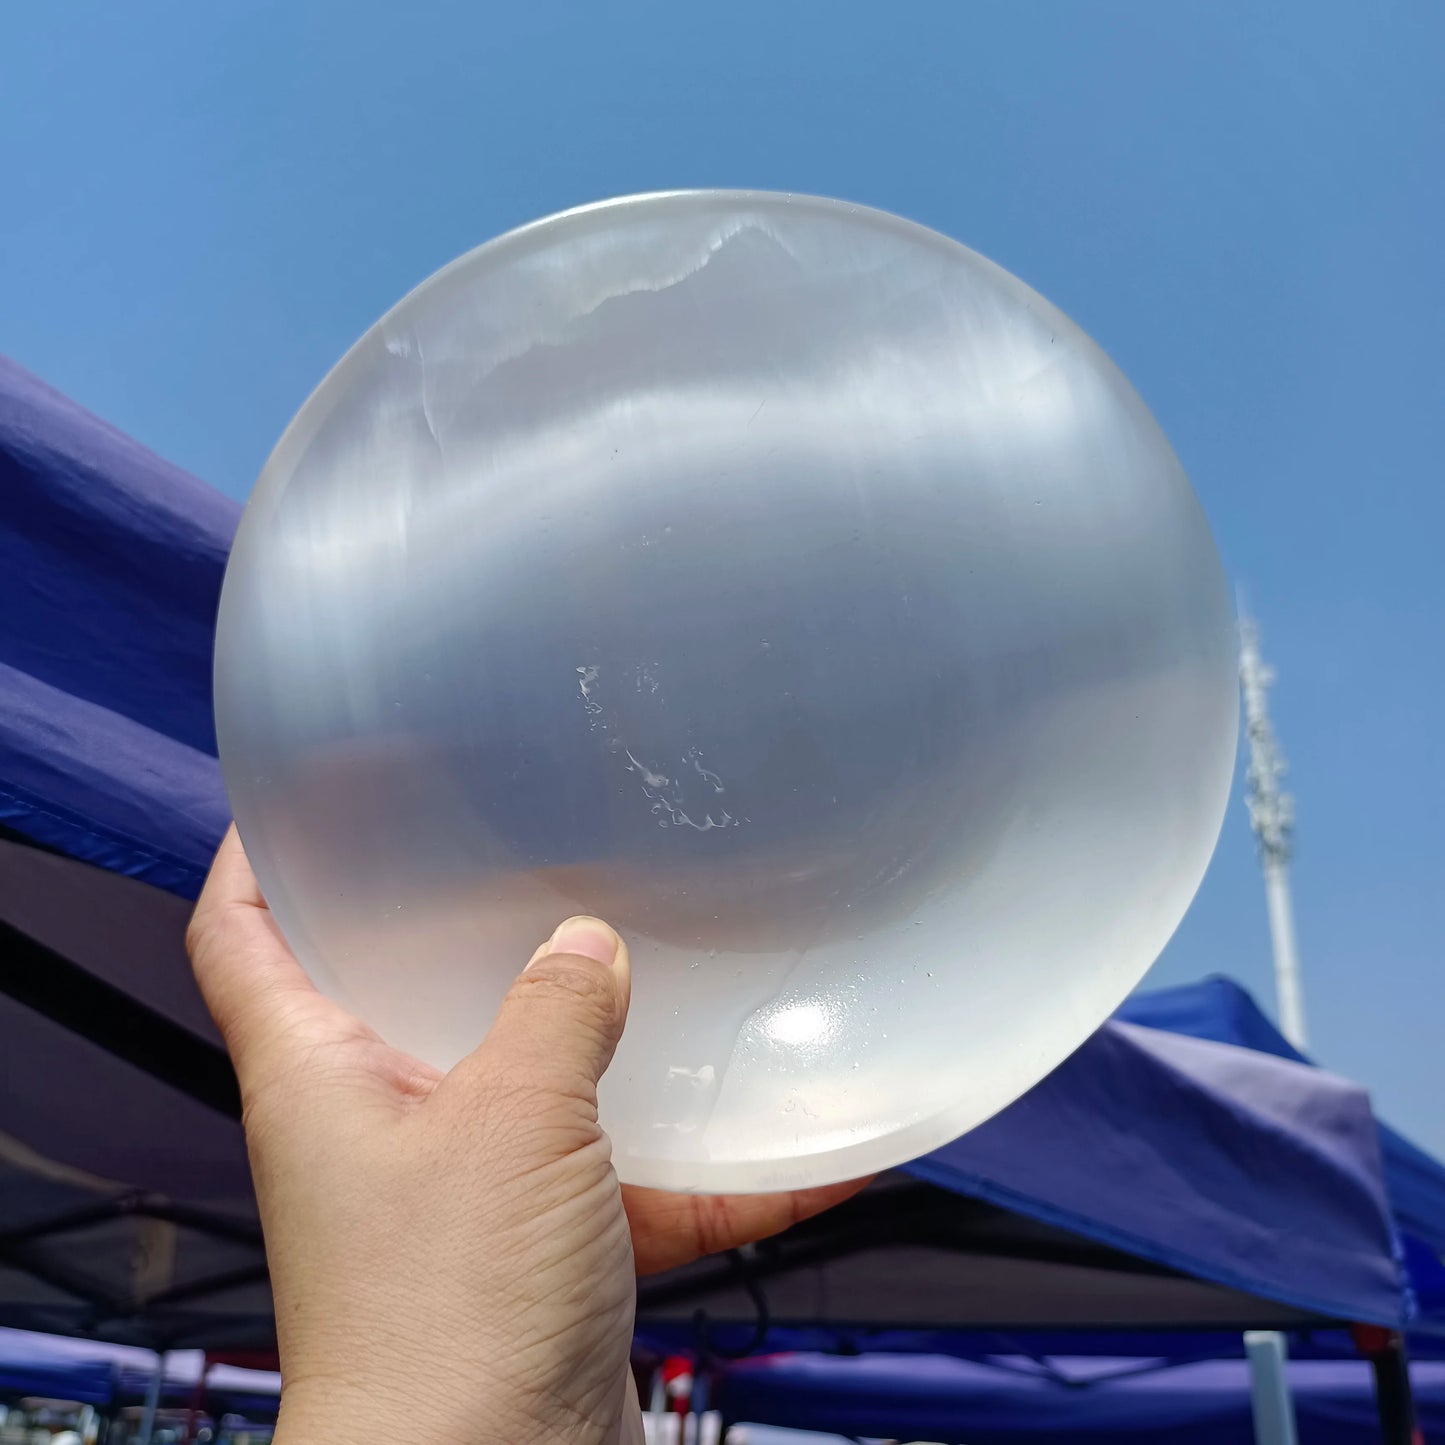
pixel 1394 1397
pixel 147 1428
pixel 1273 1406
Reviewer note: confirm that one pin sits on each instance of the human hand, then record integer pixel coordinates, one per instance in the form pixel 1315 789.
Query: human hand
pixel 450 1254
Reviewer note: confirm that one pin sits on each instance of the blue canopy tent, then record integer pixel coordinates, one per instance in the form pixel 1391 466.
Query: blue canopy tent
pixel 110 570
pixel 1017 1402
pixel 88 1382
pixel 974 1321
pixel 1247 1191
pixel 114 1377
pixel 1244 1179
pixel 1218 1008
pixel 125 1201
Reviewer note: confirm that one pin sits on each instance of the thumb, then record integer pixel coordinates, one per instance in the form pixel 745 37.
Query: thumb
pixel 562 1018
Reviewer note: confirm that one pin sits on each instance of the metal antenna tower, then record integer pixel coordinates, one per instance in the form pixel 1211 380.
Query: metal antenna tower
pixel 1271 816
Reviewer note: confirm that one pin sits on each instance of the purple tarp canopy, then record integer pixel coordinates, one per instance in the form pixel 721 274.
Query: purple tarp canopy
pixel 1022 1401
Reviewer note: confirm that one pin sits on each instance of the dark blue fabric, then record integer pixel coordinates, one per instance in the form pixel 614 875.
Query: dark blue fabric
pixel 33 1366
pixel 1217 1161
pixel 83 1382
pixel 110 570
pixel 91 1372
pixel 1218 1008
pixel 1214 1008
pixel 1178 1346
pixel 1019 1402
pixel 256 1401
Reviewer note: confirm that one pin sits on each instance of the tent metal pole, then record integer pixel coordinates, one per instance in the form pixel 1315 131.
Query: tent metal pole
pixel 1394 1398
pixel 198 1403
pixel 1273 1408
pixel 153 1401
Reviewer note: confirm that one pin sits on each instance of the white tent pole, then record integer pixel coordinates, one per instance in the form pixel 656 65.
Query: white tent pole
pixel 153 1401
pixel 1270 1399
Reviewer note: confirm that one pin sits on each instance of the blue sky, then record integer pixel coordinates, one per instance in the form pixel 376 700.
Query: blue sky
pixel 204 205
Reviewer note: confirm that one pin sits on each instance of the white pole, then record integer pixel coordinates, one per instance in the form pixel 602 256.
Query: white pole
pixel 153 1399
pixel 1271 817
pixel 1286 959
pixel 1269 1389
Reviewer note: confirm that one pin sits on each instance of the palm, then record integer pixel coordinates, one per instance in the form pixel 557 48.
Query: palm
pixel 667 1229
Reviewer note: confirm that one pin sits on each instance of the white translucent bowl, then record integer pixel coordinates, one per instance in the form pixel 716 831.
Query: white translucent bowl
pixel 782 582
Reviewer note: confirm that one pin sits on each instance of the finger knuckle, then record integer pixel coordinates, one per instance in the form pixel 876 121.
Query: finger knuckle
pixel 582 988
pixel 714 1223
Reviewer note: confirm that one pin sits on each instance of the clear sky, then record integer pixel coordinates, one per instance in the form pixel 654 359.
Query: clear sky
pixel 202 206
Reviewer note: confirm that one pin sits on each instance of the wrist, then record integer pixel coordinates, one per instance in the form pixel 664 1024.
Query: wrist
pixel 317 1412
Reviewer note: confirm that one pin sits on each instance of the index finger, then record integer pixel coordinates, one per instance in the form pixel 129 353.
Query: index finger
pixel 247 973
